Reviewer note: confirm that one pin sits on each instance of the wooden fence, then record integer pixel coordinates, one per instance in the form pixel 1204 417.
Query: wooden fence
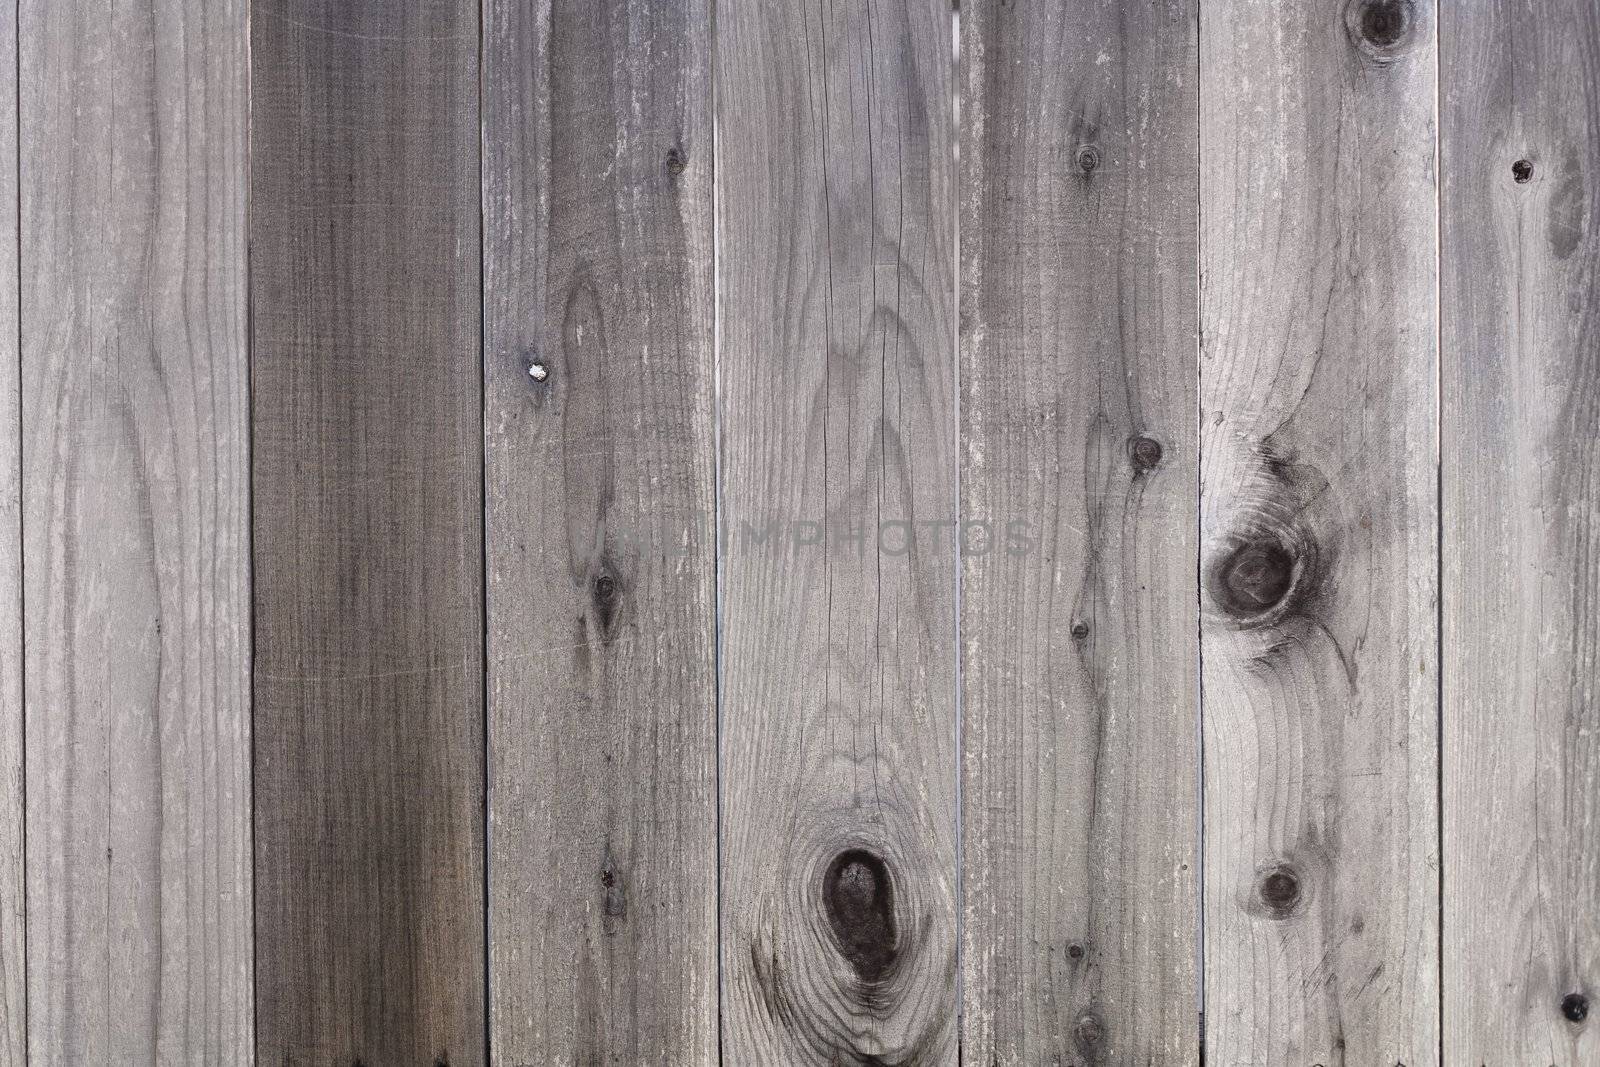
pixel 1054 533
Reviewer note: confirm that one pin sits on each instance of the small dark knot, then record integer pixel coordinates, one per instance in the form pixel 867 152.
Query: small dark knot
pixel 1075 949
pixel 1279 890
pixel 1080 630
pixel 677 161
pixel 1254 578
pixel 1522 171
pixel 1088 158
pixel 1145 452
pixel 859 899
pixel 1575 1006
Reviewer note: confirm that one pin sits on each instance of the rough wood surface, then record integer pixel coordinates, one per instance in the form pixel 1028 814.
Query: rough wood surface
pixel 1521 532
pixel 1319 553
pixel 135 490
pixel 13 932
pixel 836 216
pixel 1080 748
pixel 601 559
pixel 367 436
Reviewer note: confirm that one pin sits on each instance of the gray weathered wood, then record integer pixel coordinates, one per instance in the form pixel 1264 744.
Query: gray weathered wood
pixel 836 216
pixel 1521 531
pixel 367 435
pixel 601 559
pixel 135 496
pixel 1080 750
pixel 1319 554
pixel 13 932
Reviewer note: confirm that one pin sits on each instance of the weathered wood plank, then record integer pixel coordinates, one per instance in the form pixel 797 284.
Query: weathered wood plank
pixel 1521 482
pixel 601 559
pixel 1319 550
pixel 1079 342
pixel 13 928
pixel 836 214
pixel 135 496
pixel 368 442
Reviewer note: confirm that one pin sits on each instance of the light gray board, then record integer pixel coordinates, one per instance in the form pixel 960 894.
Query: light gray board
pixel 1318 239
pixel 836 220
pixel 1521 531
pixel 13 931
pixel 601 558
pixel 1079 343
pixel 135 511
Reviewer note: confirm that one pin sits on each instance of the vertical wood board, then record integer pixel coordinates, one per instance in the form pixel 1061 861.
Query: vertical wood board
pixel 367 464
pixel 135 512
pixel 13 931
pixel 1521 532
pixel 1079 343
pixel 1319 558
pixel 601 559
pixel 836 217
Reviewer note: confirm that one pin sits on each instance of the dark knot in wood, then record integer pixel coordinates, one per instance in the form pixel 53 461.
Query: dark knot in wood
pixel 1279 891
pixel 1089 1032
pixel 605 594
pixel 1088 158
pixel 1080 630
pixel 677 161
pixel 1075 949
pixel 614 890
pixel 1253 578
pixel 1383 29
pixel 1145 452
pixel 1522 171
pixel 1575 1007
pixel 858 896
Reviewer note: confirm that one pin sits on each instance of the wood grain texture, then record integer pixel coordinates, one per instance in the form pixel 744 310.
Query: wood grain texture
pixel 367 463
pixel 13 927
pixel 1079 343
pixel 1521 532
pixel 1319 553
pixel 836 213
pixel 601 558
pixel 135 491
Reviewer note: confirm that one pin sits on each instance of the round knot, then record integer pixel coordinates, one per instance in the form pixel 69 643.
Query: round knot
pixel 1088 158
pixel 1575 1007
pixel 1254 577
pixel 1145 452
pixel 1278 889
pixel 1383 29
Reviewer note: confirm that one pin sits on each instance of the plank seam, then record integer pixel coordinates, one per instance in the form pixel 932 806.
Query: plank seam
pixel 716 490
